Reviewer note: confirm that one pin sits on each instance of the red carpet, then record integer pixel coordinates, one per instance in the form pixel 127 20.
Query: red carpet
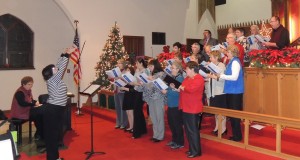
pixel 120 146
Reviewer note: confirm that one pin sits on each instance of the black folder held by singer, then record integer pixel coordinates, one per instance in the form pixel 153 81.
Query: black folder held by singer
pixel 168 79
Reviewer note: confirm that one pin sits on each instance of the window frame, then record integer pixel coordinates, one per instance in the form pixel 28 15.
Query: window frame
pixel 16 44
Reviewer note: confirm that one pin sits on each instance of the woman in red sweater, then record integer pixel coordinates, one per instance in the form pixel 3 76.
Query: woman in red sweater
pixel 190 101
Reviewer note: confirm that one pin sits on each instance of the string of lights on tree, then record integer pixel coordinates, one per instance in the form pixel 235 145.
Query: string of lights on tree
pixel 112 51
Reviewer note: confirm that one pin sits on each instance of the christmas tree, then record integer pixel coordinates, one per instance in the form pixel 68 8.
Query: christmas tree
pixel 112 51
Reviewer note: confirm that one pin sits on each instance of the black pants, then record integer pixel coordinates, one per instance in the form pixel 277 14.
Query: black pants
pixel 235 102
pixel 36 115
pixel 139 122
pixel 176 125
pixel 53 120
pixel 190 122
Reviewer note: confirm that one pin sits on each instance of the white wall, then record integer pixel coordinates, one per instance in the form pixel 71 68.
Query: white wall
pixel 51 22
pixel 191 21
pixel 134 17
pixel 236 11
pixel 207 22
pixel 52 32
pixel 193 28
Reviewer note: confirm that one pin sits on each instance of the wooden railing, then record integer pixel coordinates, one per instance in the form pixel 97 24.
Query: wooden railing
pixel 247 118
pixel 296 43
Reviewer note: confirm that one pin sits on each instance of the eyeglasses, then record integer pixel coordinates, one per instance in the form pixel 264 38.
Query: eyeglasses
pixel 54 68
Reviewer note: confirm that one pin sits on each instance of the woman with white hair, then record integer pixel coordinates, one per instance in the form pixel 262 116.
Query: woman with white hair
pixel 214 92
pixel 255 44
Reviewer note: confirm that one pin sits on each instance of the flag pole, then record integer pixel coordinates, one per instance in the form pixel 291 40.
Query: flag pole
pixel 78 86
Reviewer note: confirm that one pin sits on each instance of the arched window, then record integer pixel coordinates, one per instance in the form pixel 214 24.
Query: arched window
pixel 16 44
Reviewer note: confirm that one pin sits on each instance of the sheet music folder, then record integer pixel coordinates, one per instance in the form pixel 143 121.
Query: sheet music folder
pixel 90 90
pixel 168 79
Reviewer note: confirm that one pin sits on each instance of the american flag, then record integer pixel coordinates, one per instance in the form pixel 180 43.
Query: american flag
pixel 75 59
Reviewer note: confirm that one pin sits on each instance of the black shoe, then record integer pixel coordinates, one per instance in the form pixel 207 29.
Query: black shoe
pixel 128 130
pixel 135 137
pixel 176 146
pixel 235 139
pixel 152 139
pixel 188 152
pixel 192 156
pixel 156 140
pixel 225 132
pixel 215 132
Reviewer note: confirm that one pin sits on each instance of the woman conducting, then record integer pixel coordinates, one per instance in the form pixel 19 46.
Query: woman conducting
pixel 56 103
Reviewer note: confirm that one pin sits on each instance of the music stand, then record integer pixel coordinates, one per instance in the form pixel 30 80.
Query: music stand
pixel 90 91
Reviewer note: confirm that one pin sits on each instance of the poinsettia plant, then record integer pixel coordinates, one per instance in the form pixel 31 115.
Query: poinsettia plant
pixel 287 57
pixel 165 55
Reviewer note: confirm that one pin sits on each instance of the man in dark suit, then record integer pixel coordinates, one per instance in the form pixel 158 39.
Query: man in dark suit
pixel 207 39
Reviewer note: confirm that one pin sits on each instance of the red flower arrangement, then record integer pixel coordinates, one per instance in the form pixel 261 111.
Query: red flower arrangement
pixel 166 49
pixel 165 55
pixel 287 57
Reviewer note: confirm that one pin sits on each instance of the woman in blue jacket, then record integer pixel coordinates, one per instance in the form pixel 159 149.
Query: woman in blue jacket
pixel 174 114
pixel 234 88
